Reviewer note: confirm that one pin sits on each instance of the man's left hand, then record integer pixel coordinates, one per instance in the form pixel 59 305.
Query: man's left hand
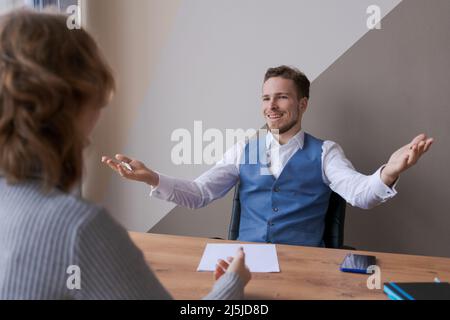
pixel 404 158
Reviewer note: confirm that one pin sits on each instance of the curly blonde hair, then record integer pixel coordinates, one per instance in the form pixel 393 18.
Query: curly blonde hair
pixel 48 75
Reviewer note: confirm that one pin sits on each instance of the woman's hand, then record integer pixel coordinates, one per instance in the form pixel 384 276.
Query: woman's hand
pixel 236 264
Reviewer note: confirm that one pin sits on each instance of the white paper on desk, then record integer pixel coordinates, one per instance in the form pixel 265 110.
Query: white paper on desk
pixel 258 257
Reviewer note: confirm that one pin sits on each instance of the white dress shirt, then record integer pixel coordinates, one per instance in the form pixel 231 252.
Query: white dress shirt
pixel 337 172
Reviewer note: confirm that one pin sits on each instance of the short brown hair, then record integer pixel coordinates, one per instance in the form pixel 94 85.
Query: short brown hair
pixel 48 75
pixel 301 82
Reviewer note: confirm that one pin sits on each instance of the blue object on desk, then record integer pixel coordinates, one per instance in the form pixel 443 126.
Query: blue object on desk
pixel 417 291
pixel 357 263
pixel 391 295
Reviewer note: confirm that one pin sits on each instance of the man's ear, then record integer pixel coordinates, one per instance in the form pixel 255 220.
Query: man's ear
pixel 303 104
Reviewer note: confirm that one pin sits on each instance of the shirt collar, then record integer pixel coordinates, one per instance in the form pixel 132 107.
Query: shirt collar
pixel 298 140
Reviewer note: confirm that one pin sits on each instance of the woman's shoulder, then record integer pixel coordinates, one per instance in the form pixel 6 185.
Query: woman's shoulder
pixel 77 216
pixel 30 199
pixel 77 209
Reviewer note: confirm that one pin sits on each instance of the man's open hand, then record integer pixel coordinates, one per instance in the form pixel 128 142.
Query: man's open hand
pixel 404 158
pixel 139 171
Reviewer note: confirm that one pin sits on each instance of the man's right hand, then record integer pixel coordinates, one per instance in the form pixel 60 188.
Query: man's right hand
pixel 139 173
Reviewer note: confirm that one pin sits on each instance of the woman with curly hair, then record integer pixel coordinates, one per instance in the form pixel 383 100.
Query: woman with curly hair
pixel 53 85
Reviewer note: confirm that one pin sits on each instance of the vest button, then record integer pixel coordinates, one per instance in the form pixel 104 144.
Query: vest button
pixel 276 189
pixel 275 209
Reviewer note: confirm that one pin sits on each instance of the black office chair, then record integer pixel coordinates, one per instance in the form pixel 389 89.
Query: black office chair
pixel 334 221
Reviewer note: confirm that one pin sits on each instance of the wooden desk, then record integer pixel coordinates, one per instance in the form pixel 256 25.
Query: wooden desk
pixel 306 273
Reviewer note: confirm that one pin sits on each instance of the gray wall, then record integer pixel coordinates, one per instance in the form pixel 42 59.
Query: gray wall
pixel 391 85
pixel 387 88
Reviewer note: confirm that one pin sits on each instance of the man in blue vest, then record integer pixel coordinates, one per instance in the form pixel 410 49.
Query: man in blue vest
pixel 285 193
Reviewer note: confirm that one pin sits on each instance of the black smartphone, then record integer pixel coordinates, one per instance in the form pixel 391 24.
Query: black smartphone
pixel 357 263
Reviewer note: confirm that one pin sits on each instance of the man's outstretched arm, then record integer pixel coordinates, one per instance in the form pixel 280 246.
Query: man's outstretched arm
pixel 213 184
pixel 368 191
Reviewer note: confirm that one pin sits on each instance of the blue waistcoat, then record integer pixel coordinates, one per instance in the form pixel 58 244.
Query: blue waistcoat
pixel 287 210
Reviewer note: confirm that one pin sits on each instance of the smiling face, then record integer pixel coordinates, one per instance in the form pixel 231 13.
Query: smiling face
pixel 282 108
